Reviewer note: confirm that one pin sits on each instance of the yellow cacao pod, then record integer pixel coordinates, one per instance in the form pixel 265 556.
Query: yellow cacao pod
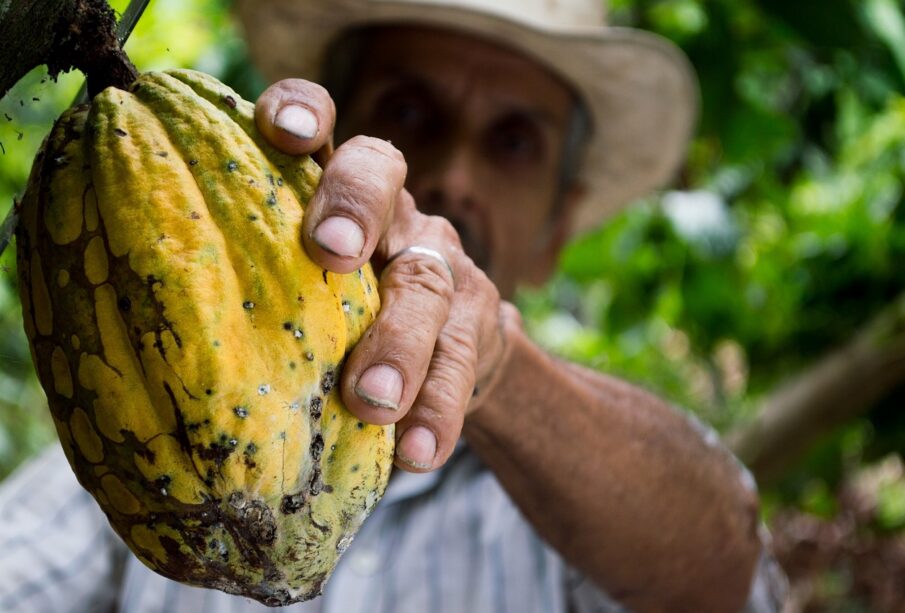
pixel 189 348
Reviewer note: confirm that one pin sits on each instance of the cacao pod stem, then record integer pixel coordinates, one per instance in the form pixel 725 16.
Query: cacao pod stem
pixel 90 43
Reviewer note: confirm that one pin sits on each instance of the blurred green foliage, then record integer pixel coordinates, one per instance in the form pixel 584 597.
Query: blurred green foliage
pixel 786 231
pixel 788 235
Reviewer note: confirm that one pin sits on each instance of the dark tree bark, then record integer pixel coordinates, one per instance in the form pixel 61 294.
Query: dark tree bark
pixel 844 384
pixel 63 34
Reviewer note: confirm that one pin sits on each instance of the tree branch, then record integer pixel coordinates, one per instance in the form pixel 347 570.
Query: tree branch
pixel 843 385
pixel 64 34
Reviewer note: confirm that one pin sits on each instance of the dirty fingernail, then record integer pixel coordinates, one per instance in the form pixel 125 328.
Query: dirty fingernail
pixel 340 236
pixel 381 386
pixel 417 447
pixel 297 121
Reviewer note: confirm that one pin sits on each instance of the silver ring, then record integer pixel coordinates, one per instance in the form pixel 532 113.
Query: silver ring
pixel 431 253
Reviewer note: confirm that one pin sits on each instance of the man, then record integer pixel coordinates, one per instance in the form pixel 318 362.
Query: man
pixel 570 490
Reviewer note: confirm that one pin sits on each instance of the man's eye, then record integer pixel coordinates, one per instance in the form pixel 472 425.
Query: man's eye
pixel 407 113
pixel 402 111
pixel 515 141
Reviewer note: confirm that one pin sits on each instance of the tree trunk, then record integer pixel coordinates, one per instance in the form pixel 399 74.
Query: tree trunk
pixel 63 34
pixel 839 387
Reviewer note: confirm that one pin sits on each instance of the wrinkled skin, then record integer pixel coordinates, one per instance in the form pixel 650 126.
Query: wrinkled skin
pixel 615 479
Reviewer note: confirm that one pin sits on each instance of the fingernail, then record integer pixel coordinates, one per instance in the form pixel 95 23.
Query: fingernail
pixel 417 447
pixel 296 120
pixel 381 386
pixel 340 236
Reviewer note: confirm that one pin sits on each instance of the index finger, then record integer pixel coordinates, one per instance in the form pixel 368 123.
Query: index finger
pixel 296 116
pixel 354 203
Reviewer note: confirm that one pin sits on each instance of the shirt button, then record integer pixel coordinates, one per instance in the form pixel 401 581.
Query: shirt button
pixel 365 562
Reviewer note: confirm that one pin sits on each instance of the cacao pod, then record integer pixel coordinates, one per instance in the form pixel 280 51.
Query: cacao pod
pixel 189 348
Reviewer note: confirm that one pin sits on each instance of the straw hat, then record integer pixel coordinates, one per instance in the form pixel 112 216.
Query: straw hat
pixel 640 89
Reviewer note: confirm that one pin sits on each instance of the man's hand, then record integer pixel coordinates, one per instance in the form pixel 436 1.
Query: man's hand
pixel 438 335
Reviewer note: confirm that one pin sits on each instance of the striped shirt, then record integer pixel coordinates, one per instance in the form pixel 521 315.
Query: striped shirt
pixel 449 541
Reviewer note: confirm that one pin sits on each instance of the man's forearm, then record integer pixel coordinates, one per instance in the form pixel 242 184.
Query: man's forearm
pixel 621 484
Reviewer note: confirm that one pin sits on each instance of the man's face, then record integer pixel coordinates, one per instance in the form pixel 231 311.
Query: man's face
pixel 482 129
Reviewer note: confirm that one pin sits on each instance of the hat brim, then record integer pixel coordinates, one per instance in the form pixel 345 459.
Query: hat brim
pixel 639 88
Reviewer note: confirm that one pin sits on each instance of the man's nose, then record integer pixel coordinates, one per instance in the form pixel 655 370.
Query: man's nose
pixel 448 186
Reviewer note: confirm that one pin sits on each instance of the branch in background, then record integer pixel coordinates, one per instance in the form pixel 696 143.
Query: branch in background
pixel 841 386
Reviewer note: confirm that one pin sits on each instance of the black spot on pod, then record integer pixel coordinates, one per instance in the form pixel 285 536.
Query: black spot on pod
pixel 124 304
pixel 255 517
pixel 249 453
pixel 292 503
pixel 119 132
pixel 271 199
pixel 241 411
pixel 287 325
pixel 232 165
pixel 316 407
pixel 328 381
pixel 230 101
pixel 193 162
pixel 248 305
pixel 220 548
pixel 281 598
pixel 163 154
pixel 317 447
pixel 317 485
pixel 309 356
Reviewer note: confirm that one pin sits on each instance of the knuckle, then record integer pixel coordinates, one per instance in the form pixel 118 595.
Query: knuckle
pixel 358 193
pixel 456 347
pixel 409 335
pixel 485 287
pixel 384 150
pixel 422 276
pixel 296 88
pixel 448 389
pixel 405 206
pixel 444 229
